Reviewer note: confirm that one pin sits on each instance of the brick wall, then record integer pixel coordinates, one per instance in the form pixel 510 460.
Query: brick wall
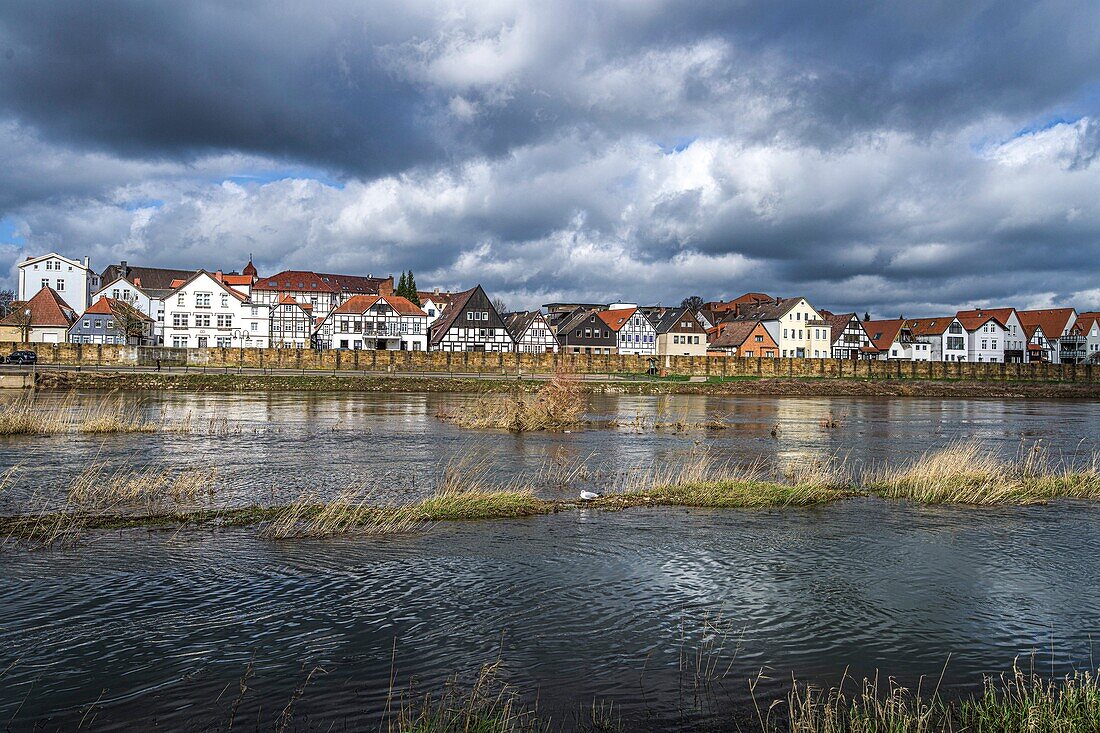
pixel 500 363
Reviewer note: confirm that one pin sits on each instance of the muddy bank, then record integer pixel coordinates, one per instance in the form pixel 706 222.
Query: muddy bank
pixel 805 387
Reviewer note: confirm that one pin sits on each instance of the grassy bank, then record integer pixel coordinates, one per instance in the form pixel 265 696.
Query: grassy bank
pixel 805 387
pixel 1015 702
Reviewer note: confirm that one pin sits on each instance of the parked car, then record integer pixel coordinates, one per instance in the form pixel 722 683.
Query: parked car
pixel 23 357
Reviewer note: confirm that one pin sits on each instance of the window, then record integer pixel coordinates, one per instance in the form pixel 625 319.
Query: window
pixel 45 282
pixel 222 341
pixel 759 339
pixel 202 320
pixel 179 342
pixel 225 300
pixel 179 300
pixel 225 320
pixel 87 324
pixel 99 323
pixel 179 320
pixel 255 326
pixel 255 311
pixel 110 323
pixel 114 293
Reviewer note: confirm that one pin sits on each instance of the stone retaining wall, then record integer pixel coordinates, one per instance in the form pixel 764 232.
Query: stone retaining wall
pixel 511 364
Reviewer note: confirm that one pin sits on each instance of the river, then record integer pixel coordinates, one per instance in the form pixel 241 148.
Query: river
pixel 134 628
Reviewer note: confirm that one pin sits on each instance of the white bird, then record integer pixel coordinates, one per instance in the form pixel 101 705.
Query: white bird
pixel 589 495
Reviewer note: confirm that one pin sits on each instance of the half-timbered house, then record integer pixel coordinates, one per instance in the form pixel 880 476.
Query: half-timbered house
pixel 471 323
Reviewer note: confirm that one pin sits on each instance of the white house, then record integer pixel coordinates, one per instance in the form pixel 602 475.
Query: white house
pixel 895 341
pixel 634 332
pixel 203 311
pixel 1088 325
pixel 375 322
pixel 850 339
pixel 144 288
pixel 985 337
pixel 1015 337
pixel 433 303
pixel 73 280
pixel 945 334
pixel 1045 328
pixel 531 332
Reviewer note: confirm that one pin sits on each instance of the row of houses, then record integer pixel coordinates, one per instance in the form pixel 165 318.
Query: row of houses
pixel 63 299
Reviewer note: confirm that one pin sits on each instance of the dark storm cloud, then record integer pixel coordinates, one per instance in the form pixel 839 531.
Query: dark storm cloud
pixel 854 152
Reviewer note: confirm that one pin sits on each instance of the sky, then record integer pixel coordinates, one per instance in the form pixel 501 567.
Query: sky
pixel 898 157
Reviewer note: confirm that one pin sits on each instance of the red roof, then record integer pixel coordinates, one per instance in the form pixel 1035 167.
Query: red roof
pixel 47 309
pixel 306 280
pixel 237 279
pixel 616 319
pixel 1053 321
pixel 110 307
pixel 974 319
pixel 250 269
pixel 359 304
pixel 883 333
pixel 1086 319
pixel 935 326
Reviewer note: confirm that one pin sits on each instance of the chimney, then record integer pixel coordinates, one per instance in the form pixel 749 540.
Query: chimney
pixel 86 261
pixel 122 268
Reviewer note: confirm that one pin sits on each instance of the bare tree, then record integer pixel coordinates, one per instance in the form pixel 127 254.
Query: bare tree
pixel 500 305
pixel 694 302
pixel 21 319
pixel 130 321
pixel 7 297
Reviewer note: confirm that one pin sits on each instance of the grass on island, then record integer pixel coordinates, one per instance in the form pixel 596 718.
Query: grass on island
pixel 969 473
pixel 26 415
pixel 557 404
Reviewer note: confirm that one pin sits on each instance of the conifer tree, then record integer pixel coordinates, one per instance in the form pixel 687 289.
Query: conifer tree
pixel 402 287
pixel 410 284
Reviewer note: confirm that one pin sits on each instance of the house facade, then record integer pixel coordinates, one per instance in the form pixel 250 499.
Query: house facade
pixel 1088 325
pixel 110 321
pixel 1046 327
pixel 291 324
pixel 73 280
pixel 470 323
pixel 44 319
pixel 945 334
pixel 1015 337
pixel 531 332
pixel 433 303
pixel 849 337
pixel 582 331
pixel 634 332
pixel 679 332
pixel 894 340
pixel 145 288
pixel 376 323
pixel 204 312
pixel 748 339
pixel 796 327
pixel 985 337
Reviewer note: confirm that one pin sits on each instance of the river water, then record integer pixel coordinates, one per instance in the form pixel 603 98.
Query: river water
pixel 129 629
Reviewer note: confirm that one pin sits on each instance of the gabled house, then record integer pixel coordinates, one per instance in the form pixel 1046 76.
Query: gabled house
pixel 848 336
pixel 747 339
pixel 375 322
pixel 110 321
pixel 44 318
pixel 203 311
pixel 142 287
pixel 679 332
pixel 945 334
pixel 1015 338
pixel 73 280
pixel 470 323
pixel 796 327
pixel 894 340
pixel 1045 328
pixel 582 331
pixel 531 332
pixel 291 324
pixel 1088 325
pixel 985 336
pixel 635 333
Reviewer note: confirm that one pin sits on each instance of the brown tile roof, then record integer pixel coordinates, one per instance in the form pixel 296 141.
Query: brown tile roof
pixel 322 282
pixel 237 279
pixel 1086 319
pixel 147 278
pixel 1053 321
pixel 518 322
pixel 936 326
pixel 110 307
pixel 973 320
pixel 837 322
pixel 359 304
pixel 733 334
pixel 883 333
pixel 616 319
pixel 450 315
pixel 772 310
pixel 47 310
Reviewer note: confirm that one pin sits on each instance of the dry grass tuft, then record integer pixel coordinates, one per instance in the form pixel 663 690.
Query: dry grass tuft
pixel 309 516
pixel 98 487
pixel 969 473
pixel 557 404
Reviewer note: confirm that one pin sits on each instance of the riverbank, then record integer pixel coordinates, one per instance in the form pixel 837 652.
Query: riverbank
pixel 213 381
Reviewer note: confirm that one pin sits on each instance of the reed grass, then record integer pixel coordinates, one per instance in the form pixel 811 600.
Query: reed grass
pixel 1015 702
pixel 967 472
pixel 557 404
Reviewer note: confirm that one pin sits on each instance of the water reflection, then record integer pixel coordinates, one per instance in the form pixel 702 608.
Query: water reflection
pixel 395 442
